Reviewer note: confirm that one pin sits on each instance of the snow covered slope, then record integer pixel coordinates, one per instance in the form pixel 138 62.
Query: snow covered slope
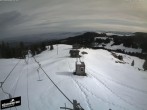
pixel 111 46
pixel 107 84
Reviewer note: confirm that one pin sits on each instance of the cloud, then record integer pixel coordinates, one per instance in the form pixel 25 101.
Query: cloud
pixel 9 19
pixel 26 17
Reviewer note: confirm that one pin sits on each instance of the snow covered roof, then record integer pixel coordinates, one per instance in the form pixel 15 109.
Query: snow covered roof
pixel 80 63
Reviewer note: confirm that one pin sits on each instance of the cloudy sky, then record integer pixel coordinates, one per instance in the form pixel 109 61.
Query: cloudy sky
pixel 27 17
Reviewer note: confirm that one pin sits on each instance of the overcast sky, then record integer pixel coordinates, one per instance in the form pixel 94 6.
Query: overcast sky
pixel 27 17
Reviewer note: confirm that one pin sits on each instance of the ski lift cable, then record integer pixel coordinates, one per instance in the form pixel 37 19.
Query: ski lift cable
pixel 10 72
pixel 53 81
pixel 9 95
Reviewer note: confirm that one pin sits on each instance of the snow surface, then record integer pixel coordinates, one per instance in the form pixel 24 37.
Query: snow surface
pixel 104 38
pixel 124 34
pixel 121 47
pixel 107 84
pixel 115 47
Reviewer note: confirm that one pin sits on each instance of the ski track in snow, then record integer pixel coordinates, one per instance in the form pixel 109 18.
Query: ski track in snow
pixel 84 93
pixel 18 79
pixel 86 96
pixel 82 87
pixel 119 83
pixel 99 98
pixel 97 79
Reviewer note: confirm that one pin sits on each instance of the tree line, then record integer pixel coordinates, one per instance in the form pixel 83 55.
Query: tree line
pixel 21 50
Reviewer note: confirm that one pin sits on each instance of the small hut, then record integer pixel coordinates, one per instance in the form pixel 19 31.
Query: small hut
pixel 74 53
pixel 75 46
pixel 80 68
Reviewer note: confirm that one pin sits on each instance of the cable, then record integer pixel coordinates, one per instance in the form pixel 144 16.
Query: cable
pixel 53 81
pixel 10 72
pixel 2 83
pixel 9 95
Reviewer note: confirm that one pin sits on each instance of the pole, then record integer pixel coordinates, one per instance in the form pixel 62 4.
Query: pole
pixel 57 49
pixel 65 106
pixel 38 74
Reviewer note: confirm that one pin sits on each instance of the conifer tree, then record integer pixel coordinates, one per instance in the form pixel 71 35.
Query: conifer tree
pixel 132 64
pixel 51 47
pixel 145 65
pixel 43 46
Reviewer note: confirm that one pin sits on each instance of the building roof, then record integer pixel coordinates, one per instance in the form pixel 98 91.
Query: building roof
pixel 74 50
pixel 80 63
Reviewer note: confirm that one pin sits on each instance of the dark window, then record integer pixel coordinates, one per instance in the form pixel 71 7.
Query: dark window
pixel 82 68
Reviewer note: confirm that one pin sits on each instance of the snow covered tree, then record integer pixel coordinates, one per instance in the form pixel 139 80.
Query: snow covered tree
pixel 132 64
pixel 145 65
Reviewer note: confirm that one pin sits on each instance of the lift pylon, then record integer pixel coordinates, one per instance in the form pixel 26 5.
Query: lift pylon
pixel 76 106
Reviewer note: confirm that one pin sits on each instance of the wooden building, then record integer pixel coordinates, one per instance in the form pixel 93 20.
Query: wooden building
pixel 74 53
pixel 80 68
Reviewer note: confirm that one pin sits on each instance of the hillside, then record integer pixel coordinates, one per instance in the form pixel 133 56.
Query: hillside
pixel 128 43
pixel 108 84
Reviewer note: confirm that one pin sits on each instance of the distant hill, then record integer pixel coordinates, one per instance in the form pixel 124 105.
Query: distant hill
pixel 133 44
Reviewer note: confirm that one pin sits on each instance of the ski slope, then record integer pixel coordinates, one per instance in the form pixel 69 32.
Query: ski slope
pixel 116 47
pixel 107 84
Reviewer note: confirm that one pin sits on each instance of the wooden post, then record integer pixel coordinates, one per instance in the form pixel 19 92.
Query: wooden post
pixel 1 83
pixel 65 106
pixel 57 49
pixel 75 105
